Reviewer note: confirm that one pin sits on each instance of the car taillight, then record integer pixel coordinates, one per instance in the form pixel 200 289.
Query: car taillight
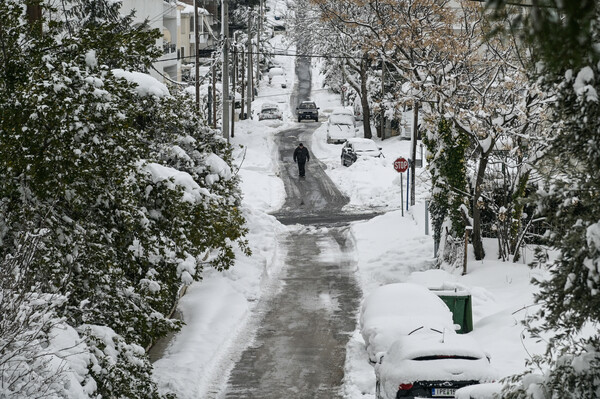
pixel 404 387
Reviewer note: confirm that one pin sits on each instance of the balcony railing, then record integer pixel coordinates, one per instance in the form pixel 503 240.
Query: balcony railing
pixel 169 48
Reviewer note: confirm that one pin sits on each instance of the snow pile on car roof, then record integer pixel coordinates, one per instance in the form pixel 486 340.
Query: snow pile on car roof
pixel 395 310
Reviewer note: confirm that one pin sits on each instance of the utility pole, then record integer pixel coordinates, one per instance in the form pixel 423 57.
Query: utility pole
pixel 225 83
pixel 413 153
pixel 250 78
pixel 197 58
pixel 214 89
pixel 382 124
pixel 242 83
pixel 234 84
pixel 258 40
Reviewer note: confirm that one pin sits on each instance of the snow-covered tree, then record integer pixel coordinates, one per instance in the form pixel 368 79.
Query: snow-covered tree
pixel 351 58
pixel 564 37
pixel 447 149
pixel 134 194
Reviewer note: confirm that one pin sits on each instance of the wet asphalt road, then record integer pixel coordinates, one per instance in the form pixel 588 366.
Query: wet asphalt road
pixel 299 347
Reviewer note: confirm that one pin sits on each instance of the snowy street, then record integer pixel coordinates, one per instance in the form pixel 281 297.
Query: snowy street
pixel 284 322
pixel 300 346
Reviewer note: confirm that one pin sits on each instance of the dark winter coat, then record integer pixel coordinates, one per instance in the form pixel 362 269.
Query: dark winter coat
pixel 301 154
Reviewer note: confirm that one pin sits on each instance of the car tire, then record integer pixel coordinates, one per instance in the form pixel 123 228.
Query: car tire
pixel 299 120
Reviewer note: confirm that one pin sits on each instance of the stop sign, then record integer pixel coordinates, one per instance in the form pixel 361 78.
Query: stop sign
pixel 400 165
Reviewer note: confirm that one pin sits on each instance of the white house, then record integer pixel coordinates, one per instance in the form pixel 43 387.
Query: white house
pixel 175 19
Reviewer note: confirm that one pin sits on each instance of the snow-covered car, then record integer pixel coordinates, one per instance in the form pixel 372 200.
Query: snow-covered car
pixel 307 110
pixel 270 111
pixel 342 111
pixel 395 310
pixel 431 365
pixel 340 127
pixel 359 147
pixel 279 81
pixel 275 71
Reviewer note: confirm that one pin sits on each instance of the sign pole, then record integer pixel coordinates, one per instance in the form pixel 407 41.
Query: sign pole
pixel 407 186
pixel 401 166
pixel 401 194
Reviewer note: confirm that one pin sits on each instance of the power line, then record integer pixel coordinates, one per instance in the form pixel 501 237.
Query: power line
pixel 280 54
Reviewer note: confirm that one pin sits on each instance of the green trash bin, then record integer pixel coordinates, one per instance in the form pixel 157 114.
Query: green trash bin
pixel 459 303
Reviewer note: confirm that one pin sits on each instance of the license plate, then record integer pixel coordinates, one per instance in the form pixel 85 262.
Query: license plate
pixel 443 392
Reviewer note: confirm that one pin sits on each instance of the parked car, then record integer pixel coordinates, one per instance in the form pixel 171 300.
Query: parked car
pixel 395 310
pixel 359 147
pixel 340 127
pixel 342 111
pixel 275 71
pixel 270 111
pixel 431 365
pixel 308 110
pixel 279 81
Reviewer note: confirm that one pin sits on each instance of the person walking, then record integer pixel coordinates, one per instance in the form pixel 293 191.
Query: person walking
pixel 301 157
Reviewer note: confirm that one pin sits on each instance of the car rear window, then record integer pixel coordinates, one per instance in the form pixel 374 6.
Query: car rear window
pixel 361 146
pixel 341 119
pixel 441 357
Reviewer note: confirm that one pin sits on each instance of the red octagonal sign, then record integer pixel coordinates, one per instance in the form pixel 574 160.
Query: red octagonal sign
pixel 400 165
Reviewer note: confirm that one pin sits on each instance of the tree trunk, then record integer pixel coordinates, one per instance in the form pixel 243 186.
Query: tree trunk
pixel 364 100
pixel 478 250
pixel 34 15
pixel 517 214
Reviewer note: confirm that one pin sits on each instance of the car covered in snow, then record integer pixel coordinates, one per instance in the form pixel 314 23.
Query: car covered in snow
pixel 431 365
pixel 358 147
pixel 270 111
pixel 275 71
pixel 395 310
pixel 340 127
pixel 279 81
pixel 342 111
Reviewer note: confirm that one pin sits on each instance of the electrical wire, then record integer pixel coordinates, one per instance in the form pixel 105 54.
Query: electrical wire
pixel 280 54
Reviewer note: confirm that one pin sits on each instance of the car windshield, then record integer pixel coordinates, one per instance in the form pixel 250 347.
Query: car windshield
pixel 341 119
pixel 364 146
pixel 308 105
